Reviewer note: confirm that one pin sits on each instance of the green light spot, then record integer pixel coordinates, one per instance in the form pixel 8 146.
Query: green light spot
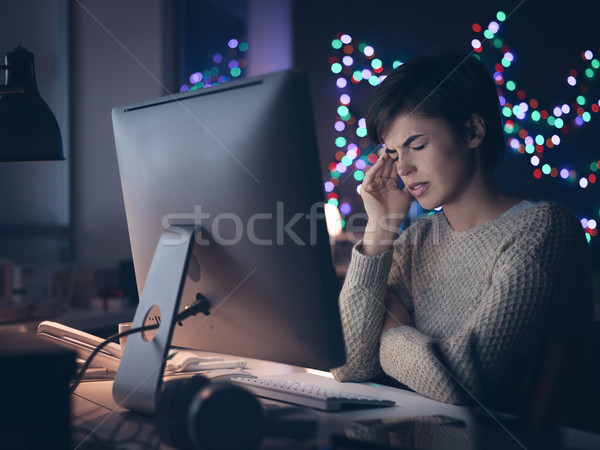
pixel 343 222
pixel 516 110
pixel 357 75
pixel 539 139
pixel 336 67
pixel 335 174
pixel 530 148
pixel 589 73
pixel 333 201
pixel 243 46
pixel 396 64
pixel 343 111
pixel 361 47
pixel 340 141
pixel 550 120
pixel 586 116
pixel 488 34
pixel 197 86
pixel 501 16
pixel 376 63
pixel 337 44
pixel 361 132
pixel 594 167
pixel 498 43
pixel 595 64
pixel 506 111
pixel 505 62
pixel 346 161
pixel 508 129
pixel 581 100
pixel 558 123
pixel 510 85
pixel 373 80
pixel 236 72
pixel 359 175
pixel 535 116
pixel 588 237
pixel 546 169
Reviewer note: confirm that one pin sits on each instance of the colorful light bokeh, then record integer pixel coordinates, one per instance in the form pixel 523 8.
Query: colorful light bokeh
pixel 531 129
pixel 228 65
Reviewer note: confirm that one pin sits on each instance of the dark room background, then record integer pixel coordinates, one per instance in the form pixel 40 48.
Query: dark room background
pixel 92 55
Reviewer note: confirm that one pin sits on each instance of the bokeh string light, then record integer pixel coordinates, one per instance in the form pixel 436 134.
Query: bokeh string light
pixel 531 129
pixel 227 65
pixel 535 130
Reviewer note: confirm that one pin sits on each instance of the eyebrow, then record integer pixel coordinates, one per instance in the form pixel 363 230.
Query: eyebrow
pixel 406 143
pixel 410 139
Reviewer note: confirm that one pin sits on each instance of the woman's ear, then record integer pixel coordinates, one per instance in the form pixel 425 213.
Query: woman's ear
pixel 475 127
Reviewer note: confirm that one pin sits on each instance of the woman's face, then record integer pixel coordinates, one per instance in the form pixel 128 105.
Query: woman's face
pixel 435 164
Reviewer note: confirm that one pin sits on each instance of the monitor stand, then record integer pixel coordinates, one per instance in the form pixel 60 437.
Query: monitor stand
pixel 138 380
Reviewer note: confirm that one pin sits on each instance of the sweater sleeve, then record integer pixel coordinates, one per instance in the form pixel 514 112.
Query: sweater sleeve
pixel 362 312
pixel 538 290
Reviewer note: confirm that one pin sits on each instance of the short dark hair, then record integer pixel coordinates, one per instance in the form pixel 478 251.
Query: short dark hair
pixel 449 87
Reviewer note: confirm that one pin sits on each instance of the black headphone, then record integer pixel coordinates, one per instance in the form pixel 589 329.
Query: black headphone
pixel 195 413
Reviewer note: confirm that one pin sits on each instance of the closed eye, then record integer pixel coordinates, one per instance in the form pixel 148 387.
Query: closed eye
pixel 420 147
pixel 393 154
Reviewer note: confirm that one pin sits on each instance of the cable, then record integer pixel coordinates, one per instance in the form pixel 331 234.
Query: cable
pixel 88 361
pixel 201 304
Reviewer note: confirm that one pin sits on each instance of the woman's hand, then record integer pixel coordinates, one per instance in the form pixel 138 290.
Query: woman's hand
pixel 385 204
pixel 396 314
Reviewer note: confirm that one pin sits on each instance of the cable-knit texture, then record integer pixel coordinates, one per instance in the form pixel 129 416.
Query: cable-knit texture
pixel 486 301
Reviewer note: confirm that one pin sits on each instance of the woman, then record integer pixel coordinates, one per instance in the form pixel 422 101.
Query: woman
pixel 479 292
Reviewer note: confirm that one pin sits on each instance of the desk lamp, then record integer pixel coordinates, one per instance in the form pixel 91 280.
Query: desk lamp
pixel 28 129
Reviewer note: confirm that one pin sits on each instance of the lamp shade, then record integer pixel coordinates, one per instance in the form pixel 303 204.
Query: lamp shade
pixel 28 129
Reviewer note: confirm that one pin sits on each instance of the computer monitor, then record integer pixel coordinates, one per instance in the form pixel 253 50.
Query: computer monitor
pixel 239 161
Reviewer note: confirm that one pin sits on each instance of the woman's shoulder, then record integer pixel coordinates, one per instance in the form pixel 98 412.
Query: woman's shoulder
pixel 543 215
pixel 527 219
pixel 544 225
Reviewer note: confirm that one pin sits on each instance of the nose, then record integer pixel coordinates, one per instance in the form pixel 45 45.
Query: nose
pixel 404 164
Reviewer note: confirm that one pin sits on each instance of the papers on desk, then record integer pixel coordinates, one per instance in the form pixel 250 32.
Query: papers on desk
pixel 180 361
pixel 106 362
pixel 188 361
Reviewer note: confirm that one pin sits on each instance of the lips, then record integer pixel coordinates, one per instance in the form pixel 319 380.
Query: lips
pixel 418 189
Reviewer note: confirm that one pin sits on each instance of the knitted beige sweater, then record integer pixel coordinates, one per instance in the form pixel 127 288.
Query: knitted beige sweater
pixel 486 301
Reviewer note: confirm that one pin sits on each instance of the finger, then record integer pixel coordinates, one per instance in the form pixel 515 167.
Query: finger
pixel 389 168
pixel 375 169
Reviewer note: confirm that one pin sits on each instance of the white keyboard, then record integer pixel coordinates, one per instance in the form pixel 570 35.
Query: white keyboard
pixel 307 394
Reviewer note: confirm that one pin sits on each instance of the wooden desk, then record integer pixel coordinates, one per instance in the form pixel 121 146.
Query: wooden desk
pixel 97 419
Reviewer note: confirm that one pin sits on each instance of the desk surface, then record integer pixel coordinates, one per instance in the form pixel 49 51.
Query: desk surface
pixel 98 422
